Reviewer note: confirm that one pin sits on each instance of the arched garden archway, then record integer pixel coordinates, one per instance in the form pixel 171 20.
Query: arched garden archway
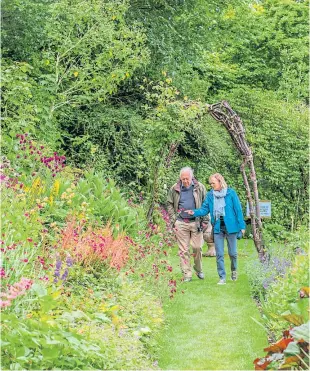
pixel 223 113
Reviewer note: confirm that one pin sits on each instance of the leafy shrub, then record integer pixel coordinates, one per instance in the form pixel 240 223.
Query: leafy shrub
pixel 64 287
pixel 282 294
pixel 292 350
pixel 96 330
pixel 263 274
pixel 107 203
pixel 279 258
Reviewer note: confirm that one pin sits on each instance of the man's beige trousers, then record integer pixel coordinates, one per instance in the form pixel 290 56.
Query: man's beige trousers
pixel 187 235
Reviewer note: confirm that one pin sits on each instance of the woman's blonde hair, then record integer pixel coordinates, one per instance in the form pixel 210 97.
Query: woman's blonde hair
pixel 220 178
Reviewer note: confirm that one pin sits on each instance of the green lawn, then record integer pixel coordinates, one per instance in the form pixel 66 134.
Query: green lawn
pixel 210 327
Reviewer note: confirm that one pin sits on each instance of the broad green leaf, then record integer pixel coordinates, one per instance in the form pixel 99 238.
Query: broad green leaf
pixel 292 349
pixel 301 332
pixel 39 289
pixel 51 353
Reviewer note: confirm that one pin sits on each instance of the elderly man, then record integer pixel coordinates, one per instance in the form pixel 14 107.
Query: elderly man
pixel 187 194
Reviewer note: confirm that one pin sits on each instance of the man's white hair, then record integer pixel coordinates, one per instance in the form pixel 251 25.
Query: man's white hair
pixel 187 169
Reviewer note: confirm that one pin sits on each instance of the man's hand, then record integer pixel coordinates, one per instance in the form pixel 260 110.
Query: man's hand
pixel 243 231
pixel 189 212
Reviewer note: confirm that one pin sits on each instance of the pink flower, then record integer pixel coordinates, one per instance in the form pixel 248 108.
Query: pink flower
pixel 44 278
pixel 12 296
pixel 5 303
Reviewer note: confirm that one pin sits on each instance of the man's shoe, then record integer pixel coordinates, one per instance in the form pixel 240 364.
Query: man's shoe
pixel 234 276
pixel 200 275
pixel 221 282
pixel 187 279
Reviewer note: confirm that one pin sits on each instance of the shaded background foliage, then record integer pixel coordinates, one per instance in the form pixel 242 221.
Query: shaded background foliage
pixel 108 85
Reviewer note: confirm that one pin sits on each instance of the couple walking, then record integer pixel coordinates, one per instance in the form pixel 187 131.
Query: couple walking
pixel 189 205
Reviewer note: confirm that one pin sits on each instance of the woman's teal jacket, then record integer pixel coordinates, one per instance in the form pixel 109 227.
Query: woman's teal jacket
pixel 233 212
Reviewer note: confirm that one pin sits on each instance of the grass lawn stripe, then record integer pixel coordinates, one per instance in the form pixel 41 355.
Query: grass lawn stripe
pixel 210 327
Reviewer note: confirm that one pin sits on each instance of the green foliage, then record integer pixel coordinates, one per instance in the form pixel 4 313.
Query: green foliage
pixel 67 312
pixel 89 58
pixel 25 106
pixel 283 293
pixel 288 353
pixel 107 203
pixel 98 333
pixel 229 44
pixel 282 249
pixel 81 60
pixel 92 86
pixel 20 15
pixel 277 133
pixel 110 139
pixel 238 52
pixel 120 87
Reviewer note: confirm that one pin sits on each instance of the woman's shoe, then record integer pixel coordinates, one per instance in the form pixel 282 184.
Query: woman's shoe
pixel 234 275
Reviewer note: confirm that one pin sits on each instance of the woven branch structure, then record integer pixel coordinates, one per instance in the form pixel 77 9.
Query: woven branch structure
pixel 223 113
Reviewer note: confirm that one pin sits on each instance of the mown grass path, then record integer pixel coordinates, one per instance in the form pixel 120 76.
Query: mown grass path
pixel 211 327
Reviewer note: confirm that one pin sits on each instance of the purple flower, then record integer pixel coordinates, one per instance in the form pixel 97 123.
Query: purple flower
pixel 57 273
pixel 65 274
pixel 69 261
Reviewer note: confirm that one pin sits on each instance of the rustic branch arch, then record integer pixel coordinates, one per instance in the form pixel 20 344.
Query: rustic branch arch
pixel 223 113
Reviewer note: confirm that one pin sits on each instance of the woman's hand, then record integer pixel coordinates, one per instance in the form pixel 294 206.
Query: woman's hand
pixel 243 231
pixel 189 212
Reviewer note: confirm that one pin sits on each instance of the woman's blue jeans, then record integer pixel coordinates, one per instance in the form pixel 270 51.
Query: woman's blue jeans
pixel 219 248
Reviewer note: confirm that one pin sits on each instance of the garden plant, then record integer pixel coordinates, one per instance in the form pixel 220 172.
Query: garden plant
pixel 103 102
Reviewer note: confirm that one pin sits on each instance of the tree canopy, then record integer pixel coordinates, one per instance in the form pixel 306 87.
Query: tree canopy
pixel 106 82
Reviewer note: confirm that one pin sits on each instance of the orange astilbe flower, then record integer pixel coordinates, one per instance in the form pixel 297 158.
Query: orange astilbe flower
pixel 93 246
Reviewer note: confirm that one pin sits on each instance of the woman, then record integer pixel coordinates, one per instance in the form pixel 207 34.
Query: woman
pixel 226 217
